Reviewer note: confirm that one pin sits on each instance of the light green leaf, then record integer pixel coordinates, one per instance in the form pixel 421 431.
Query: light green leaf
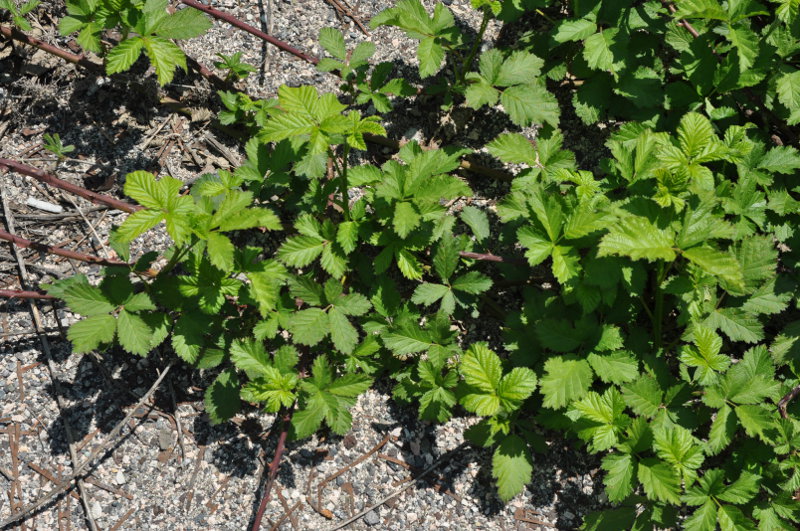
pixel 183 24
pixel 85 299
pixel 472 282
pixel 516 386
pixel 637 238
pixel 430 54
pixel 250 356
pixel 309 327
pixel 123 55
pixel 620 469
pixel 88 334
pixel 343 334
pixel 220 251
pixel 299 251
pixel 574 30
pixel 659 481
pixel 333 42
pixel 529 104
pixel 719 264
pixel 513 148
pixel 736 324
pixel 565 380
pixel 722 430
pixel 481 368
pixel 643 396
pixel 477 220
pixel 406 218
pixel 731 518
pixel 788 89
pixel 597 49
pixel 512 467
pixel 428 293
pixel 165 57
pixel 133 333
pixel 520 67
pixel 617 367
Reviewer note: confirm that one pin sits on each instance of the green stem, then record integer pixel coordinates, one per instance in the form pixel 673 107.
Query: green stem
pixel 487 16
pixel 343 183
pixel 658 311
pixel 175 259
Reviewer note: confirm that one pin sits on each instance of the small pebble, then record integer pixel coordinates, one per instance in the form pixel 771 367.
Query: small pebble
pixel 372 518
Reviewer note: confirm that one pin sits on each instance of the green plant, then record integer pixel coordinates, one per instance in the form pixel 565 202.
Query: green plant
pixel 233 64
pixel 654 317
pixel 145 26
pixel 18 12
pixel 53 144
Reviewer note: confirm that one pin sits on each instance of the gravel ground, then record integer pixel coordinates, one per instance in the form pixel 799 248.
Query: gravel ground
pixel 169 468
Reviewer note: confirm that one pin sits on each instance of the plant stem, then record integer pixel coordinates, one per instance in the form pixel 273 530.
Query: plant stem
pixel 52 180
pixel 658 312
pixel 487 16
pixel 343 183
pixel 273 467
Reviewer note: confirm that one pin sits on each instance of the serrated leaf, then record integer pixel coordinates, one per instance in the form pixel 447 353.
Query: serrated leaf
pixel 183 24
pixel 515 387
pixel 620 470
pixel 309 327
pixel 428 293
pixel 333 42
pixel 755 419
pixel 574 30
pixel 123 55
pixel 513 148
pixel 409 265
pixel 299 251
pixel 406 218
pixel 251 357
pixel 722 430
pixel 481 368
pixel 220 251
pixel 138 223
pixel 643 396
pixel 407 341
pixel 187 336
pixel 479 92
pixel 165 57
pixel 343 334
pixel 719 264
pixel 133 333
pixel 477 220
pixel 430 54
pixel 472 282
pixel 703 519
pixel 731 518
pixel 85 299
pixel 597 49
pixel 88 334
pixel 564 380
pixel 637 238
pixel 512 467
pixel 538 245
pixel 788 89
pixel 659 481
pixel 529 104
pixel 736 324
pixel 222 397
pixel 520 67
pixel 617 367
pixel 347 235
pixel 742 490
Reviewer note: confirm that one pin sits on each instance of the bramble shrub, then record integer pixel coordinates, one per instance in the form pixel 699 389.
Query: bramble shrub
pixel 652 312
